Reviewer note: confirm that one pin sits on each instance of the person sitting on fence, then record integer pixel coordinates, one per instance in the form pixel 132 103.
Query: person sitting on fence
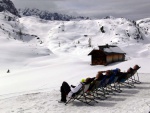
pixel 68 91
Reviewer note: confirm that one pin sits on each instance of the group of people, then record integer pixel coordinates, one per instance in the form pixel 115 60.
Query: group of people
pixel 69 91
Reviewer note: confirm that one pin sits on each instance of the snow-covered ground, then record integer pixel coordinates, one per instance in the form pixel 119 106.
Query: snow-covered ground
pixel 39 64
pixel 134 100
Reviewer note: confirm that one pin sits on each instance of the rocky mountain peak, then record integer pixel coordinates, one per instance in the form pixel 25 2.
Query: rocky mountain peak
pixel 46 15
pixel 7 5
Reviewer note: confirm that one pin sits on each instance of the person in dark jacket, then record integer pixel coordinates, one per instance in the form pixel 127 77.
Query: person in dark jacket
pixel 99 76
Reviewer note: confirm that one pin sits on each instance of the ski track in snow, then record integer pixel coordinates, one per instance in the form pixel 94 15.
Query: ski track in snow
pixel 131 100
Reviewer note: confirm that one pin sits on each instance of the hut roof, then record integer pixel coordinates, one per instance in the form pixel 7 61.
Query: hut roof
pixel 108 49
pixel 107 46
pixel 113 50
pixel 94 51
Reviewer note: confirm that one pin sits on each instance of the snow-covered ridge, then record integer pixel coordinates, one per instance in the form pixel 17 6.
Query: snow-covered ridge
pixel 48 15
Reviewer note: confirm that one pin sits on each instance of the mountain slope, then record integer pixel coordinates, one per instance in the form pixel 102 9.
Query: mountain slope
pixel 144 26
pixel 16 46
pixel 73 36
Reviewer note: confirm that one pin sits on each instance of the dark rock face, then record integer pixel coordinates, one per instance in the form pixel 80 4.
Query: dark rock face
pixel 48 15
pixel 7 5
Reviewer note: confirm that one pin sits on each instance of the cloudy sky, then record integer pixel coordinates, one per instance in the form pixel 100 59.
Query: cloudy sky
pixel 132 9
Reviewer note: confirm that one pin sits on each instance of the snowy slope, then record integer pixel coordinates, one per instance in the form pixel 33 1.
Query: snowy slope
pixel 144 25
pixel 15 49
pixel 73 36
pixel 50 52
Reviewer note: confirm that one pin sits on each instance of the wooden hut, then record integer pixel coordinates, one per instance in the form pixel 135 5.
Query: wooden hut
pixel 106 54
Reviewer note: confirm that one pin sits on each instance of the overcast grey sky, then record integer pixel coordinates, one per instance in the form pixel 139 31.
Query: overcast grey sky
pixel 132 9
